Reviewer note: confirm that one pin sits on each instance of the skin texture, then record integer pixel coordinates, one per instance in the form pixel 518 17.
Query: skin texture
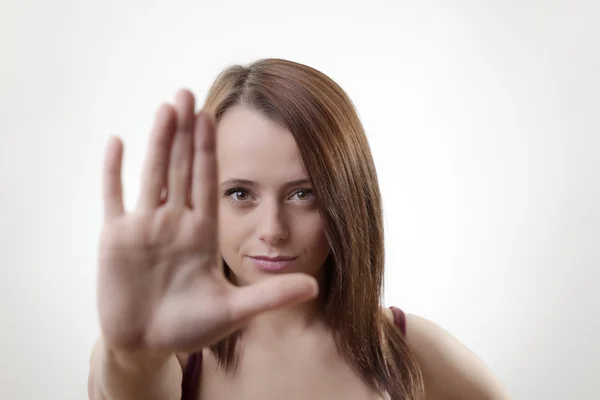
pixel 450 370
pixel 269 216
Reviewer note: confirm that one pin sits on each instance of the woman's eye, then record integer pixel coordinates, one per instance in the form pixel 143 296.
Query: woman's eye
pixel 238 195
pixel 304 194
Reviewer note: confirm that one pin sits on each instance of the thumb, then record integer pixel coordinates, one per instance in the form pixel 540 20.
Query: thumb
pixel 272 293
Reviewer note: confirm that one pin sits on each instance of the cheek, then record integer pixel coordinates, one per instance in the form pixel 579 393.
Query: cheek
pixel 313 235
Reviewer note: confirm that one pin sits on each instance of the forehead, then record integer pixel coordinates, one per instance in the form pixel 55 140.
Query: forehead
pixel 252 146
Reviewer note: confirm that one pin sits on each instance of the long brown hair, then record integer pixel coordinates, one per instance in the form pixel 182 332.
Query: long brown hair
pixel 335 151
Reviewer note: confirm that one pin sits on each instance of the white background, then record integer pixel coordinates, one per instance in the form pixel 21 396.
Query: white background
pixel 484 121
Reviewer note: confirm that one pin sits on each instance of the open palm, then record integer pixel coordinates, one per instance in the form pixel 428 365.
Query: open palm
pixel 160 283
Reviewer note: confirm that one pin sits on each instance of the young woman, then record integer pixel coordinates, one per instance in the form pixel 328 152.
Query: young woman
pixel 252 265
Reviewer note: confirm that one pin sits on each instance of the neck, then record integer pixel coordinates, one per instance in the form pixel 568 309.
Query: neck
pixel 286 322
pixel 290 321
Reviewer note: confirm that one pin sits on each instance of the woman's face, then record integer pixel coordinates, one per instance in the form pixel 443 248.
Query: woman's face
pixel 269 221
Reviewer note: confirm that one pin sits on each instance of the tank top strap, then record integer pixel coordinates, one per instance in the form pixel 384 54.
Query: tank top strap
pixel 399 319
pixel 191 377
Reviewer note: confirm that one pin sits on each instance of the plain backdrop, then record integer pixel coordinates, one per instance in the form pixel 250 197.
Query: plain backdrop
pixel 484 122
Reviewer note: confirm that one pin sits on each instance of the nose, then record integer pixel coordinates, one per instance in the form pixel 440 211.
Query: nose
pixel 272 227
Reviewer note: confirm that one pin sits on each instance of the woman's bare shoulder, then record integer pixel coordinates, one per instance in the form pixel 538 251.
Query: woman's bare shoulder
pixel 450 369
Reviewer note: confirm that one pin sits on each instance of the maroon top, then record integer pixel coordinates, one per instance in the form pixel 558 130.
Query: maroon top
pixel 191 375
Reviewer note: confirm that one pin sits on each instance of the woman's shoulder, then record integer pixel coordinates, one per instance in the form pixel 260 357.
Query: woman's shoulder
pixel 450 369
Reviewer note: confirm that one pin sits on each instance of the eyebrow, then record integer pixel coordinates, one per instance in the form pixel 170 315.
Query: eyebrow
pixel 246 182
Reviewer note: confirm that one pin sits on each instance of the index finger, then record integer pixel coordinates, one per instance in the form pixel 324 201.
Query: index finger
pixel 204 170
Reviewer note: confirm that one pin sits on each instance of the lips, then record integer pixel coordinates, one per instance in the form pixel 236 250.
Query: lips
pixel 278 258
pixel 272 264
